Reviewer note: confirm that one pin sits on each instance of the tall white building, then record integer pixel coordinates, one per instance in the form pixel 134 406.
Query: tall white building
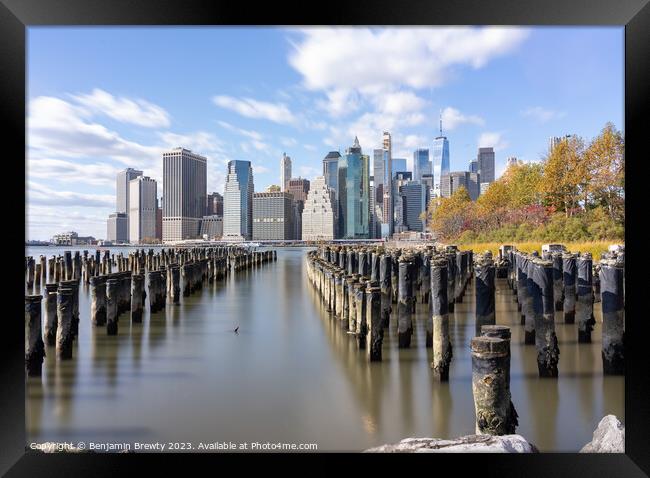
pixel 122 192
pixel 238 202
pixel 285 172
pixel 318 215
pixel 184 194
pixel 143 206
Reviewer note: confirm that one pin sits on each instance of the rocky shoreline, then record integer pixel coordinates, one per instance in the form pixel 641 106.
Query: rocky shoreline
pixel 609 437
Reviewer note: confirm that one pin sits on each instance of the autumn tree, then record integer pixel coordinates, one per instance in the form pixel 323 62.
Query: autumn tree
pixel 565 174
pixel 449 217
pixel 606 163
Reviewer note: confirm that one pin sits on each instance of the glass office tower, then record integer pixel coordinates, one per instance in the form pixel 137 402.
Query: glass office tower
pixel 421 164
pixel 354 193
pixel 440 158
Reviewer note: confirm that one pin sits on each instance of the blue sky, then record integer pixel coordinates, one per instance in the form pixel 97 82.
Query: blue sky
pixel 102 99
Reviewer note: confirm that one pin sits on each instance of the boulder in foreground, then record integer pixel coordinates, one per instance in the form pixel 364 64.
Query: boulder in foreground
pixel 465 444
pixel 609 437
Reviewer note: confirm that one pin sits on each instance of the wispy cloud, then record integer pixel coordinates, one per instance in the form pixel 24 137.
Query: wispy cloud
pixel 126 110
pixel 451 118
pixel 542 115
pixel 492 139
pixel 251 108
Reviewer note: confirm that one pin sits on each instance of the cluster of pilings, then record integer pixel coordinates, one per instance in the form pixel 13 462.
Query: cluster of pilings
pixel 564 282
pixel 117 286
pixel 364 287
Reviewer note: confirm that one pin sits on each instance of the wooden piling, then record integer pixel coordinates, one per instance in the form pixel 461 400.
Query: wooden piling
pixel 548 352
pixel 495 413
pixel 585 301
pixel 485 292
pixel 137 287
pixel 50 322
pixel 112 302
pixel 441 342
pixel 34 347
pixel 98 300
pixel 611 288
pixel 404 301
pixel 375 333
pixel 64 337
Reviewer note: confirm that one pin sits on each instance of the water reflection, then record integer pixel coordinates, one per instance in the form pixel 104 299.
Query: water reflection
pixel 293 374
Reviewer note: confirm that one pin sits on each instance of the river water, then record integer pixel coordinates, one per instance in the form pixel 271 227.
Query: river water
pixel 291 375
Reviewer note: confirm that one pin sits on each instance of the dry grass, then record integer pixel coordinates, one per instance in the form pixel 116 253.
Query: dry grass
pixel 595 247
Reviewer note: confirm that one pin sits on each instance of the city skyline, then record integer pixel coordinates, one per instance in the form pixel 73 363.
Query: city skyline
pixel 89 118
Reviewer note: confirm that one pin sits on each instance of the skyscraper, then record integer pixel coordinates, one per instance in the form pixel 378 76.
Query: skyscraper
pixel 117 227
pixel 122 192
pixel 473 166
pixel 273 216
pixel 421 164
pixel 238 201
pixel 387 204
pixel 440 157
pixel 511 161
pixel 143 208
pixel 451 182
pixel 215 205
pixel 413 196
pixel 330 169
pixel 400 179
pixel 398 166
pixel 319 215
pixel 378 167
pixel 184 194
pixel 285 172
pixel 298 188
pixel 485 161
pixel 354 192
pixel 553 141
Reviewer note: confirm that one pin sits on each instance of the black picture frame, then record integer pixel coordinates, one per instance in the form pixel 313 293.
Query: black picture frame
pixel 17 15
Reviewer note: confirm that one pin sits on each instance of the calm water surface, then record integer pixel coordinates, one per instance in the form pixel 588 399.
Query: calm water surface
pixel 292 375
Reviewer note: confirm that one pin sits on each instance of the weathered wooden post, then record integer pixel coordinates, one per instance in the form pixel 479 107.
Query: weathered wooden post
pixel 529 325
pixel 585 302
pixel 137 286
pixel 34 347
pixel 68 265
pixel 451 280
pixel 425 279
pixel 404 301
pixel 176 284
pixel 485 291
pixel 338 292
pixel 352 303
pixel 364 267
pixel 98 300
pixel 460 279
pixel 112 299
pixel 375 335
pixel 185 270
pixel 37 276
pixel 64 335
pixel 495 413
pixel 374 266
pixel 441 342
pixel 548 353
pixel 30 273
pixel 558 280
pixel 611 289
pixel 569 274
pixel 361 323
pixel 49 331
pixel 385 266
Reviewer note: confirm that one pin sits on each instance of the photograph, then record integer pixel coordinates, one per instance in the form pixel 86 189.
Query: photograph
pixel 299 239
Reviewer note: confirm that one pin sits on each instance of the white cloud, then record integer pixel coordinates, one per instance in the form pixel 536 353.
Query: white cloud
pixel 542 115
pixel 309 172
pixel 39 194
pixel 288 142
pixel 451 118
pixel 276 112
pixel 138 111
pixel 244 132
pixel 94 174
pixel 310 147
pixel 492 140
pixel 388 57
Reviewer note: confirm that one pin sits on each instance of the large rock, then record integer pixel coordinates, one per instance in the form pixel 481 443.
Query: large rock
pixel 465 444
pixel 609 437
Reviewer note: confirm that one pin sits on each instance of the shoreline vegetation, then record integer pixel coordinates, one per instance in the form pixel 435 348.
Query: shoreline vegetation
pixel 596 248
pixel 574 195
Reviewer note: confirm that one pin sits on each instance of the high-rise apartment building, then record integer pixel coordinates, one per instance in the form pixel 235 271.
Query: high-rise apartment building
pixel 143 208
pixel 485 161
pixel 354 193
pixel 454 180
pixel 299 189
pixel 473 166
pixel 184 194
pixel 401 178
pixel 319 213
pixel 273 216
pixel 386 203
pixel 238 202
pixel 285 172
pixel 421 164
